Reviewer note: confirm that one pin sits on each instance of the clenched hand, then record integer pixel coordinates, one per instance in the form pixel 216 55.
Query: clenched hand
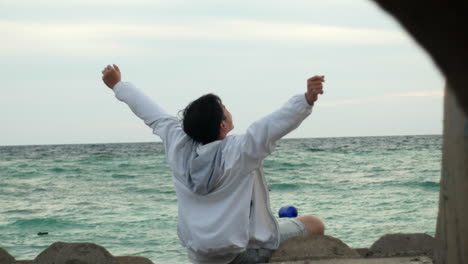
pixel 314 88
pixel 111 75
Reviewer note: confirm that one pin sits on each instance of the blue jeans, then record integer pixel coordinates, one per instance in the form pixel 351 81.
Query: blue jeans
pixel 289 228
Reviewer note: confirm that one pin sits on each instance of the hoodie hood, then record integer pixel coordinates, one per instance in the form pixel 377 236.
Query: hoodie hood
pixel 204 167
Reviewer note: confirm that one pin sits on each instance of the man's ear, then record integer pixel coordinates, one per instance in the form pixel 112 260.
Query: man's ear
pixel 222 125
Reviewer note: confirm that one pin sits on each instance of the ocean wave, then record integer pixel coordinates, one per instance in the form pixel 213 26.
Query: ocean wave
pixel 43 224
pixel 151 189
pixel 21 211
pixel 57 169
pixel 315 150
pixel 40 189
pixel 281 165
pixel 122 176
pixel 415 184
pixel 284 187
pixel 429 184
pixel 25 174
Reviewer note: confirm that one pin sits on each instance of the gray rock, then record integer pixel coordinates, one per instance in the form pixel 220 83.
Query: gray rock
pixel 391 245
pixel 363 252
pixel 397 260
pixel 5 257
pixel 51 252
pixel 312 248
pixel 133 260
pixel 75 253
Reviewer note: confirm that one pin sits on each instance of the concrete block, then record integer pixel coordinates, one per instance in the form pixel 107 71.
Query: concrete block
pixel 363 252
pixel 312 247
pixel 5 257
pixel 133 260
pixel 82 253
pixel 399 260
pixel 452 222
pixel 392 245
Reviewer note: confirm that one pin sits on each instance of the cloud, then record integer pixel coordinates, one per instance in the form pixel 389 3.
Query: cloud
pixel 421 94
pixel 27 38
pixel 110 37
pixel 86 2
pixel 309 33
pixel 354 101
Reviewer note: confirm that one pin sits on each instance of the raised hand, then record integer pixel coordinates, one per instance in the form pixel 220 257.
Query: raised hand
pixel 314 88
pixel 111 75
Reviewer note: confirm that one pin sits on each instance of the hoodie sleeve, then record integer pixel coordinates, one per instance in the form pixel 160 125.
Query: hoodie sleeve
pixel 164 125
pixel 261 136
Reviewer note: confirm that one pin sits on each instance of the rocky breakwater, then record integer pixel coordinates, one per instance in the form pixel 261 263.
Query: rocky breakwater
pixel 392 248
pixel 389 249
pixel 78 253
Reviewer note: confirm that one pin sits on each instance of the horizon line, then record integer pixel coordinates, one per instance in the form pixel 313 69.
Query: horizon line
pixel 159 141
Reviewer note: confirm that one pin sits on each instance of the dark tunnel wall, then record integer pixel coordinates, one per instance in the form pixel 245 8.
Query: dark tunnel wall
pixel 440 28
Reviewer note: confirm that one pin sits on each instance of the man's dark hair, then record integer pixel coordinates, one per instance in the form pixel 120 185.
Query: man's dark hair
pixel 201 118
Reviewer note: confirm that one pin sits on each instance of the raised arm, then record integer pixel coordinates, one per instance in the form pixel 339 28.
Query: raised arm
pixel 163 124
pixel 261 137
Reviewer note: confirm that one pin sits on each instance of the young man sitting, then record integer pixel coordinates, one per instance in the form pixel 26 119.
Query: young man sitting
pixel 224 213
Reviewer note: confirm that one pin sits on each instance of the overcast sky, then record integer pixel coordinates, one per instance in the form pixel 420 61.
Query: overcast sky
pixel 254 54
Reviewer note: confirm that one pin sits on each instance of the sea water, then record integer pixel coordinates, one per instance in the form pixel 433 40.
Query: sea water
pixel 121 196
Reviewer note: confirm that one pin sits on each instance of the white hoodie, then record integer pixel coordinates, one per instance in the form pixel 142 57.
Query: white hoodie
pixel 222 194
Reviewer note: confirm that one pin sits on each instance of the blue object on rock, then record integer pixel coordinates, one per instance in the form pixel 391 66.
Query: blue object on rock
pixel 287 211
